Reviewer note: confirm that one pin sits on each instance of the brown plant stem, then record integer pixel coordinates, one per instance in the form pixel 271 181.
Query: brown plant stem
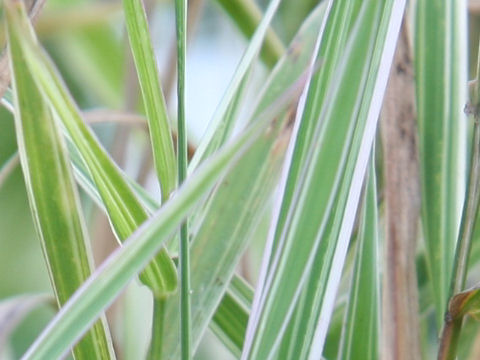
pixel 402 196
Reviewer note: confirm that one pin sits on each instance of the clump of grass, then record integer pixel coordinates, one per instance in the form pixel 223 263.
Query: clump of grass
pixel 289 167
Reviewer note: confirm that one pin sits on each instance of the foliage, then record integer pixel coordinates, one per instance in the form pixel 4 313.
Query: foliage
pixel 276 229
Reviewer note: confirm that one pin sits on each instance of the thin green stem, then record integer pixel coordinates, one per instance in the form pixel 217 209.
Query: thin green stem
pixel 185 294
pixel 468 217
pixel 473 195
pixel 182 151
pixel 156 343
pixel 452 327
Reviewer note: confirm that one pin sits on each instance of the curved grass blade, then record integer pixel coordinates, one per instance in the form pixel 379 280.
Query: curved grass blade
pixel 124 209
pixel 153 99
pixel 289 71
pixel 391 15
pixel 331 50
pixel 441 80
pixel 235 301
pixel 237 203
pixel 52 193
pixel 388 26
pixel 361 328
pixel 102 288
pixel 323 219
pixel 247 16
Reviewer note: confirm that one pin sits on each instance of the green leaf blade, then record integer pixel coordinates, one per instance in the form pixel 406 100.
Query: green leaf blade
pixel 101 289
pixel 241 198
pixel 155 107
pixel 124 209
pixel 441 71
pixel 327 196
pixel 224 119
pixel 231 317
pixel 53 197
pixel 238 296
pixel 361 329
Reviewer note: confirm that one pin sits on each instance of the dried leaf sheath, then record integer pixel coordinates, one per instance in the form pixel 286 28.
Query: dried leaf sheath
pixel 402 195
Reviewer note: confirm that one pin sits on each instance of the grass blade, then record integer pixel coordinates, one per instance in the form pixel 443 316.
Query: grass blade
pixel 289 71
pixel 241 198
pixel 348 124
pixel 361 329
pixel 331 49
pixel 155 108
pixel 391 15
pixel 52 193
pixel 223 122
pixel 231 317
pixel 101 289
pixel 332 45
pixel 214 259
pixel 235 301
pixel 124 209
pixel 441 78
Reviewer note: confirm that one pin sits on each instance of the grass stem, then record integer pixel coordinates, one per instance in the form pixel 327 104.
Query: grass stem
pixel 156 343
pixel 464 242
pixel 182 151
pixel 452 327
